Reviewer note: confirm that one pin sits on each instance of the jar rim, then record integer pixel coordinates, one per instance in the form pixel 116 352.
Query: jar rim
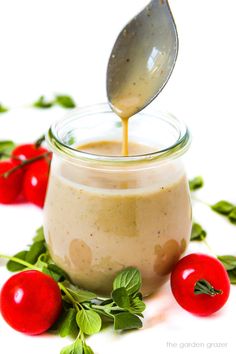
pixel 176 149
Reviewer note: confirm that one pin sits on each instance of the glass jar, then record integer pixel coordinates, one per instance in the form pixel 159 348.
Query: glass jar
pixel 106 213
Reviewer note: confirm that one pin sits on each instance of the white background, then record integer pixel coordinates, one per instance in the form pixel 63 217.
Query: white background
pixel 62 46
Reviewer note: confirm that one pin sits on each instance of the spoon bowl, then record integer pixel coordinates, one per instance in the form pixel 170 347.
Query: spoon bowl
pixel 142 59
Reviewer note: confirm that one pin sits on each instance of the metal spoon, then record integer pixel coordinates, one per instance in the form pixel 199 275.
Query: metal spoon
pixel 142 59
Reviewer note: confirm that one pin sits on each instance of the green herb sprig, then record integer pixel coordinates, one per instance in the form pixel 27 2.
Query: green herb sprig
pixel 64 101
pixel 222 207
pixel 197 233
pixel 226 209
pixel 84 313
pixel 196 183
pixel 229 262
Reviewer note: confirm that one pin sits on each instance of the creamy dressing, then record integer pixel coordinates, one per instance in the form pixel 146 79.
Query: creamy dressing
pixel 94 226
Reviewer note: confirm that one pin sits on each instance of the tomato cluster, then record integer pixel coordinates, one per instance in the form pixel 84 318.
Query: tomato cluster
pixel 25 175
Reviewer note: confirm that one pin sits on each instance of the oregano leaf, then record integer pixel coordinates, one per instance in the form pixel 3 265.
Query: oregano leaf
pixel 88 321
pixel 232 216
pixel 223 207
pixel 196 183
pixel 65 101
pixel 68 326
pixel 121 297
pixel 130 279
pixel 14 266
pixel 43 103
pixel 229 262
pixel 36 249
pixel 126 320
pixel 197 233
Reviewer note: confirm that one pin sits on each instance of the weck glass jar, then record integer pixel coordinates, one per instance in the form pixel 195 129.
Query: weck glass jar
pixel 105 212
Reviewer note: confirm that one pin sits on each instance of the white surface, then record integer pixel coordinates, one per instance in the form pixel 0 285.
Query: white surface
pixel 63 46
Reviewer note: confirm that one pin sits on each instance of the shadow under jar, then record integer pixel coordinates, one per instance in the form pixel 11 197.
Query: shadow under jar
pixel 105 213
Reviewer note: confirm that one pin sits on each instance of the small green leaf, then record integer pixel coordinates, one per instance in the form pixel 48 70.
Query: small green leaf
pixel 6 147
pixel 125 320
pixel 232 276
pixel 68 326
pixel 75 348
pixel 65 101
pixel 232 216
pixel 229 262
pixel 137 306
pixel 14 266
pixel 3 109
pixel 36 249
pixel 121 298
pixel 39 235
pixel 80 295
pixel 88 321
pixel 52 271
pixel 197 234
pixel 196 183
pixel 223 207
pixel 87 349
pixel 130 279
pixel 43 103
pixel 54 268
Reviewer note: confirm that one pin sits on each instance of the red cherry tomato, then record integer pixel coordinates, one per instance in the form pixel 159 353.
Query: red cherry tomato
pixel 36 181
pixel 193 268
pixel 27 151
pixel 30 302
pixel 10 186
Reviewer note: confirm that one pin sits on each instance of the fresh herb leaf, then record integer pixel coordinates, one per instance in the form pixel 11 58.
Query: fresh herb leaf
pixel 39 235
pixel 3 109
pixel 14 266
pixel 232 276
pixel 223 207
pixel 87 349
pixel 197 233
pixel 43 103
pixel 55 272
pixel 6 147
pixel 89 321
pixel 137 306
pixel 232 216
pixel 124 321
pixel 229 262
pixel 36 249
pixel 130 279
pixel 65 101
pixel 121 298
pixel 80 295
pixel 68 326
pixel 196 183
pixel 75 348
